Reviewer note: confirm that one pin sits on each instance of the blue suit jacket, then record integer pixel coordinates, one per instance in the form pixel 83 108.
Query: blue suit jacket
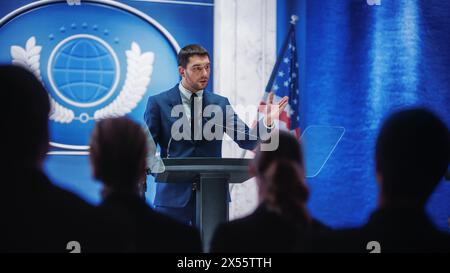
pixel 159 121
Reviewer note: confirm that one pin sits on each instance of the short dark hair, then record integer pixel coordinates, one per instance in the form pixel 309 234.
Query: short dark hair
pixel 25 112
pixel 412 154
pixel 118 150
pixel 281 171
pixel 289 148
pixel 189 51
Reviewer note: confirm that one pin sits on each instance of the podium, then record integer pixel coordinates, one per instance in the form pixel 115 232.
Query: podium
pixel 210 178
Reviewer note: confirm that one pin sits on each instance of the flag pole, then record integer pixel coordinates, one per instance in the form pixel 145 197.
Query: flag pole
pixel 293 22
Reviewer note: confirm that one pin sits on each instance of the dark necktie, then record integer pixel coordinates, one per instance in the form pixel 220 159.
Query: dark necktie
pixel 193 117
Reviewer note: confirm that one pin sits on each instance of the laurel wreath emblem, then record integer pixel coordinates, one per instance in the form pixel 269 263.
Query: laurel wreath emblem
pixel 138 76
pixel 139 70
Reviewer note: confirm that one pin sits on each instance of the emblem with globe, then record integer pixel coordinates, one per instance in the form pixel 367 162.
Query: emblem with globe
pixel 83 70
pixel 92 68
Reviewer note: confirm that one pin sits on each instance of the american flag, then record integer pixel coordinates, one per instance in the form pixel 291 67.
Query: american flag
pixel 284 82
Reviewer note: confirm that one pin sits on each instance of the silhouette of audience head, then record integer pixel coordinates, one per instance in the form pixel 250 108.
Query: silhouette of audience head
pixel 281 179
pixel 412 155
pixel 118 155
pixel 25 112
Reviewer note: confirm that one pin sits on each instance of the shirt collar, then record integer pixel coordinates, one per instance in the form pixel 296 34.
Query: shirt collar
pixel 187 94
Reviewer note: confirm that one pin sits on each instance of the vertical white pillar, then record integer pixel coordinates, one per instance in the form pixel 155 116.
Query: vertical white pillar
pixel 244 55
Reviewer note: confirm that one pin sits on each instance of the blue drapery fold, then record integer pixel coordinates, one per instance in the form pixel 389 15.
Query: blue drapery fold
pixel 360 63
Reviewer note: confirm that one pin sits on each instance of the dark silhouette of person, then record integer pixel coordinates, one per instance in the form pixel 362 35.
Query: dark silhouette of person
pixel 282 215
pixel 412 155
pixel 118 155
pixel 36 215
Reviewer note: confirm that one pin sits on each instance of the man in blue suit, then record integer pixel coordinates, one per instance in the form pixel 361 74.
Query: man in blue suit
pixel 190 100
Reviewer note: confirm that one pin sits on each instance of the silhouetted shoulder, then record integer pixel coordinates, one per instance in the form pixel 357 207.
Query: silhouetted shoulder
pixel 187 238
pixel 402 231
pixel 152 231
pixel 261 231
pixel 45 218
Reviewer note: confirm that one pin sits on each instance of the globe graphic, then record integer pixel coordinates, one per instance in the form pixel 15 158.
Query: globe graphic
pixel 83 71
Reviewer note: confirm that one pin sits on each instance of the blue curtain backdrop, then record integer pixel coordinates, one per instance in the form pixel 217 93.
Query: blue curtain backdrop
pixel 359 63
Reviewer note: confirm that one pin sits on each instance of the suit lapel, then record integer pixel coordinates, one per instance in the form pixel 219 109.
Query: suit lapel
pixel 174 98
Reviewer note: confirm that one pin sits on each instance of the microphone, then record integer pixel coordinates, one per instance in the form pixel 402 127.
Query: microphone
pixel 168 147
